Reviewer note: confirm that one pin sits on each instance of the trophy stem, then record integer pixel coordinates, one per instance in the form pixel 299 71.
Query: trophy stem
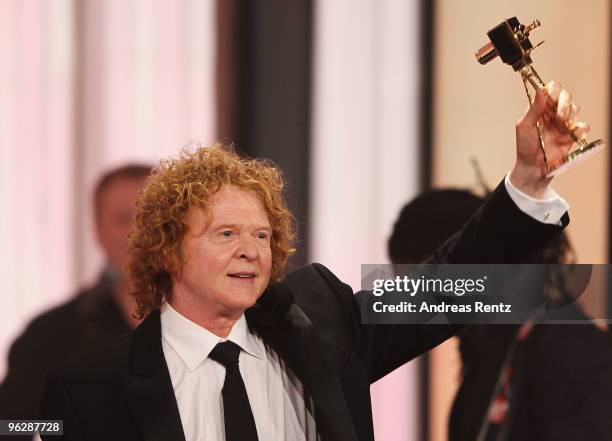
pixel 538 126
pixel 529 73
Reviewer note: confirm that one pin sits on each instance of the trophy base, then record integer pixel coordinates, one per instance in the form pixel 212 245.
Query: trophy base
pixel 576 157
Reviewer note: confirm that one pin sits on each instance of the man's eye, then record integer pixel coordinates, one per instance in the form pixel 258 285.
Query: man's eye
pixel 263 236
pixel 227 233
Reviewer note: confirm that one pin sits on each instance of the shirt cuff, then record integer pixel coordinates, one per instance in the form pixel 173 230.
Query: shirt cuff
pixel 548 210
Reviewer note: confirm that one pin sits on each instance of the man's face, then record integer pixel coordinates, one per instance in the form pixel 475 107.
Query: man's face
pixel 228 260
pixel 115 209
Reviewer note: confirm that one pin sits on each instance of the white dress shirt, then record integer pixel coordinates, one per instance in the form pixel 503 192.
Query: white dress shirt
pixel 548 210
pixel 275 394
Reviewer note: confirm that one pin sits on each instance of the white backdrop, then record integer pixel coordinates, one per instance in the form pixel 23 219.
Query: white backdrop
pixel 365 160
pixel 87 85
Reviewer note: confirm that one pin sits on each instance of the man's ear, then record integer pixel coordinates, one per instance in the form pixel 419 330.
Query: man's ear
pixel 99 237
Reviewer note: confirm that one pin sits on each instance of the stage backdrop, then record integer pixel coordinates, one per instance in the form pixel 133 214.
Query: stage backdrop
pixel 85 86
pixel 364 159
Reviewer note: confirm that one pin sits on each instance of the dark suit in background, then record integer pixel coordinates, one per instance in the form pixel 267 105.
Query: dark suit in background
pixel 562 386
pixel 93 317
pixel 90 319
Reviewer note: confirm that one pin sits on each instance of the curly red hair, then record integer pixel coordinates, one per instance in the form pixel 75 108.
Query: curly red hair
pixel 155 242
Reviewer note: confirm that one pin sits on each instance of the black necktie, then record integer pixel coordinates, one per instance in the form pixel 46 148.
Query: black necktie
pixel 239 421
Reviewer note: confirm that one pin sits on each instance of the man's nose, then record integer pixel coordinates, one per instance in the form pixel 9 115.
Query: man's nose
pixel 247 248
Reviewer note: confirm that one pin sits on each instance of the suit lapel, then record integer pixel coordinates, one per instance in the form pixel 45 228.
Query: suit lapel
pixel 148 388
pixel 284 326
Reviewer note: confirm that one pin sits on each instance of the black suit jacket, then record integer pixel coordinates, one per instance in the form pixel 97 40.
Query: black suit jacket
pixel 90 319
pixel 311 320
pixel 562 388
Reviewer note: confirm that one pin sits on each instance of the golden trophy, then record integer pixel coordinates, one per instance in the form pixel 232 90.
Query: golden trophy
pixel 510 41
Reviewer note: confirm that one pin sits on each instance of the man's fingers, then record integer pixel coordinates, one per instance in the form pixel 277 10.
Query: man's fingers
pixel 573 114
pixel 563 104
pixel 553 89
pixel 581 129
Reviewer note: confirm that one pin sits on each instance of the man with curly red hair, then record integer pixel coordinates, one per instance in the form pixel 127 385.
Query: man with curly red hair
pixel 177 207
pixel 232 349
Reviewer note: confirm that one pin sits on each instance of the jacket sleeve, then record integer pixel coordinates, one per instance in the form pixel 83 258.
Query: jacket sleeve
pixel 20 390
pixel 56 405
pixel 29 358
pixel 499 232
pixel 568 383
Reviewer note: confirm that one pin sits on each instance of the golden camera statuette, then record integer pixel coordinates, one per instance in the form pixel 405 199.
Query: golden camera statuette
pixel 509 41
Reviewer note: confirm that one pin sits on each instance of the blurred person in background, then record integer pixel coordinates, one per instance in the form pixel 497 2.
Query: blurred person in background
pixel 95 315
pixel 519 382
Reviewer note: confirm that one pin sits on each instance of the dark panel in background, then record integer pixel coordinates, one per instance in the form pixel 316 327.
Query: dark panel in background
pixel 426 60
pixel 264 55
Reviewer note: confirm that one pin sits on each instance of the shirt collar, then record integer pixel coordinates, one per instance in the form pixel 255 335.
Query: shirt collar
pixel 193 343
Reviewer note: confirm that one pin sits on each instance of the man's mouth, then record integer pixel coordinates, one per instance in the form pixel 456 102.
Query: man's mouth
pixel 242 275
